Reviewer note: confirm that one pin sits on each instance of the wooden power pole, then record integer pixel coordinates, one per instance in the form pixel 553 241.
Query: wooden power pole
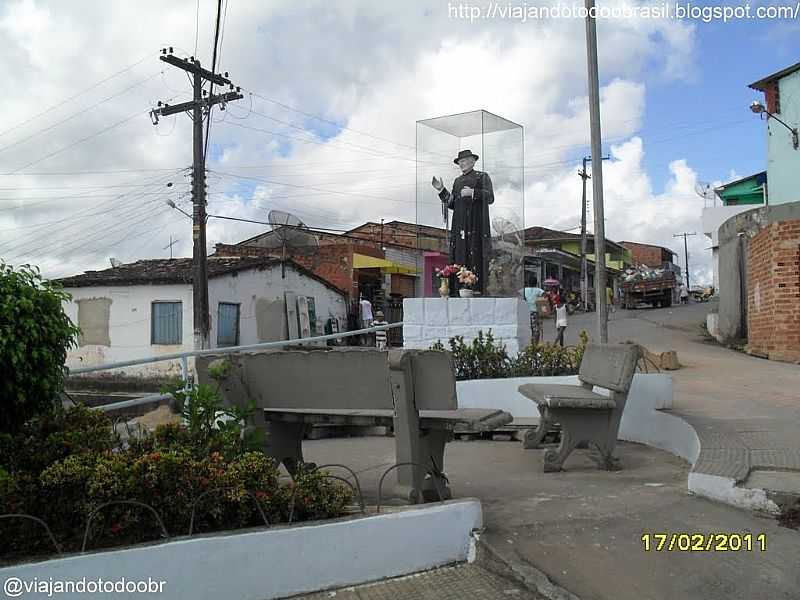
pixel 198 109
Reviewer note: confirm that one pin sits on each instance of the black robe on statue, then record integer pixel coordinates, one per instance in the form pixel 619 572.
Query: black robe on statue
pixel 470 233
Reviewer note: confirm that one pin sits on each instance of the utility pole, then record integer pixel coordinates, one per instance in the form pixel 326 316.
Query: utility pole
pixel 597 173
pixel 198 108
pixel 584 262
pixel 684 235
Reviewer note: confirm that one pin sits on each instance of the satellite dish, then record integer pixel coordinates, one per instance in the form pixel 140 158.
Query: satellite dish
pixel 292 236
pixel 705 190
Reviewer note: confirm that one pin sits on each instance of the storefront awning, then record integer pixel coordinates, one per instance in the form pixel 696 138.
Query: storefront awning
pixel 362 261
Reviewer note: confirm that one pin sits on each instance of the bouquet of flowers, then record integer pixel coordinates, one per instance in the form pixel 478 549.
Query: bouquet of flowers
pixel 448 270
pixel 466 277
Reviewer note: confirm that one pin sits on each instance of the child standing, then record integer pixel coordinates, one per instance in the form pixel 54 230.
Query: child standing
pixel 561 321
pixel 380 336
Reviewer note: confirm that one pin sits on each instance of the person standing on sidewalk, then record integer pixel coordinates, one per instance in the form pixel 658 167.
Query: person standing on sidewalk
pixel 531 293
pixel 561 321
pixel 684 294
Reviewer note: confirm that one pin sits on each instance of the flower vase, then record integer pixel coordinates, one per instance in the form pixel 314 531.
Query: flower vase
pixel 465 292
pixel 444 288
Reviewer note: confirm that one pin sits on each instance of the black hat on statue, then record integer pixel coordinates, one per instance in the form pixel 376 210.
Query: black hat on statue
pixel 465 154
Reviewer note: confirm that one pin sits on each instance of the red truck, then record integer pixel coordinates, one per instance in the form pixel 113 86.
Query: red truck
pixel 655 290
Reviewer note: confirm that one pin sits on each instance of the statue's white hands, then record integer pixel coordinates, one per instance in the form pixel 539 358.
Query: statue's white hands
pixel 437 184
pixel 467 192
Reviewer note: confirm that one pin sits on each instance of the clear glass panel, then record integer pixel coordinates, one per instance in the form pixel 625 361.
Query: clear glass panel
pixel 498 143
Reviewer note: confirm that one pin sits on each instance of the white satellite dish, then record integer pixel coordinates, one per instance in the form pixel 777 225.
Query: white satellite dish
pixel 293 235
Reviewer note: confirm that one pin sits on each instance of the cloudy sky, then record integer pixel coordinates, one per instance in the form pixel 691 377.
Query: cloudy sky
pixel 326 129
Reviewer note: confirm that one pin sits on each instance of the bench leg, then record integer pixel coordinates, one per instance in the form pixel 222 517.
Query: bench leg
pixel 554 459
pixel 607 448
pixel 284 443
pixel 534 438
pixel 433 444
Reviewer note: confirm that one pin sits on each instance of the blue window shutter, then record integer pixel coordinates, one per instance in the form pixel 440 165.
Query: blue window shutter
pixel 167 319
pixel 227 324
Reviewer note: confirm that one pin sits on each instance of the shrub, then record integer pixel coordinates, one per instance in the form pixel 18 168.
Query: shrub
pixel 53 436
pixel 35 335
pixel 316 496
pixel 68 464
pixel 483 358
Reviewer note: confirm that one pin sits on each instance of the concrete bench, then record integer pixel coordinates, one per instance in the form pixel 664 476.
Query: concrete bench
pixel 585 416
pixel 411 390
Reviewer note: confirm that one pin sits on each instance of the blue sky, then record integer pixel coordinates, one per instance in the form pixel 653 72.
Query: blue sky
pixel 729 56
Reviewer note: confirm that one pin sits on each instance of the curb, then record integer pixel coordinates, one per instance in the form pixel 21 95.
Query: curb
pixel 524 572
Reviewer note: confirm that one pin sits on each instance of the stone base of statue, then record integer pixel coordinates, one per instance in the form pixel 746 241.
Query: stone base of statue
pixel 428 320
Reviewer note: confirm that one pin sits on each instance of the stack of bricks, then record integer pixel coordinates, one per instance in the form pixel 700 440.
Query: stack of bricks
pixel 773 291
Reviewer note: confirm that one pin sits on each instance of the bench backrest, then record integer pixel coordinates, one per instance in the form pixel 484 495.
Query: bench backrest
pixel 318 379
pixel 609 366
pixel 433 376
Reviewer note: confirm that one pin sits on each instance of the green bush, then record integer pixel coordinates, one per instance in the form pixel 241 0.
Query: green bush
pixel 35 335
pixel 69 463
pixel 480 359
pixel 483 358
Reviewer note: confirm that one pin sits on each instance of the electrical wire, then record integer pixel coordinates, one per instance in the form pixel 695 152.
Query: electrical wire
pixel 88 89
pixel 79 113
pixel 211 84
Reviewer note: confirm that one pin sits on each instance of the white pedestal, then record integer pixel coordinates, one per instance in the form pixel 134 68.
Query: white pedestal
pixel 428 320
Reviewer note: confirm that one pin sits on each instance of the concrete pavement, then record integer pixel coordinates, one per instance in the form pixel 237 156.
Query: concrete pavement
pixel 579 532
pixel 744 409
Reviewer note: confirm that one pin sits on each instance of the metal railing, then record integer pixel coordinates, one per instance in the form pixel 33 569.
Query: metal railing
pixel 184 356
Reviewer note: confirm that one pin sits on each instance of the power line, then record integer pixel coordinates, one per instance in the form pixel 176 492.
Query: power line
pixel 80 141
pixel 78 113
pixel 88 89
pixel 211 84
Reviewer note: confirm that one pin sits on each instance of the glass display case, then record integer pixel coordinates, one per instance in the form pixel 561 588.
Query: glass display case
pixel 485 224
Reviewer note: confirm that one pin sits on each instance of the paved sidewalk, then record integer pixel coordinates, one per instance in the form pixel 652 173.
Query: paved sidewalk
pixel 744 409
pixel 450 583
pixel 581 529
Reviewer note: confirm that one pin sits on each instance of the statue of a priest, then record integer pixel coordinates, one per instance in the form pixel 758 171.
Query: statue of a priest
pixel 470 234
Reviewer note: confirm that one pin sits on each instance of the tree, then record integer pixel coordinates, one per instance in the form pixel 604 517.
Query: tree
pixel 35 335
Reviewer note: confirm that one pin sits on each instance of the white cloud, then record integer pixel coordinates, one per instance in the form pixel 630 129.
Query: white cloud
pixel 378 67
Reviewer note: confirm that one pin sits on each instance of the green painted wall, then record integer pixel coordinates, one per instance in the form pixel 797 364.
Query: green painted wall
pixel 783 161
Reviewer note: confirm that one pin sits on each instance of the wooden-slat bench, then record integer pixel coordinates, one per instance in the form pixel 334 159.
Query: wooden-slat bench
pixel 585 416
pixel 413 391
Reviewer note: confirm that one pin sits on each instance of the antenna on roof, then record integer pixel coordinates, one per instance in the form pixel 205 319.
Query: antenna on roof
pixel 292 233
pixel 705 191
pixel 115 263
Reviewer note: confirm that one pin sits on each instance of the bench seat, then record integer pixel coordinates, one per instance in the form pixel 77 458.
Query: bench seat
pixel 566 396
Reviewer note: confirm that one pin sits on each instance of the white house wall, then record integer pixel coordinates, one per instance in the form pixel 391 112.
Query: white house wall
pixel 248 287
pixel 129 327
pixel 129 322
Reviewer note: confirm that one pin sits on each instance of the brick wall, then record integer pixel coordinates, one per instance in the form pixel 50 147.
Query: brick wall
pixel 642 254
pixel 773 291
pixel 333 262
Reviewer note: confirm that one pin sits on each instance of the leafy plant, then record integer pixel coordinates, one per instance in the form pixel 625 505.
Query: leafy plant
pixel 483 358
pixel 35 335
pixel 84 467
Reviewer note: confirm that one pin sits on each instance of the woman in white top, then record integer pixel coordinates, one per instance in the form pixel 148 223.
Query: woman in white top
pixel 561 321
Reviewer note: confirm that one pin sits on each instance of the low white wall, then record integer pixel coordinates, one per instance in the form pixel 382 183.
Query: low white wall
pixel 428 320
pixel 642 420
pixel 279 562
